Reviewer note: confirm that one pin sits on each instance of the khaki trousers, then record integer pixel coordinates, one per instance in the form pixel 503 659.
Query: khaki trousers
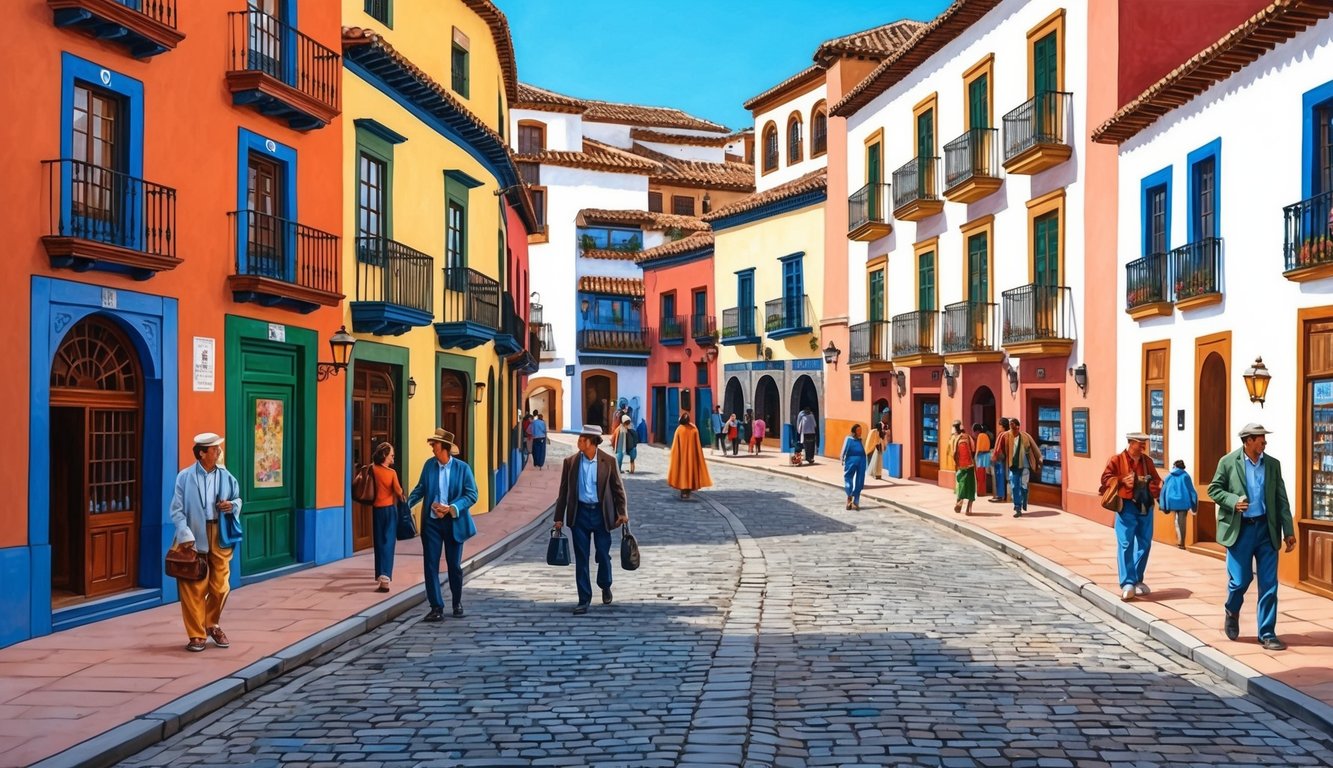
pixel 202 601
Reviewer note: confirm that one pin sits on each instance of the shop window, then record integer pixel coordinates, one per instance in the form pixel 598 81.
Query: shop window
pixel 1156 370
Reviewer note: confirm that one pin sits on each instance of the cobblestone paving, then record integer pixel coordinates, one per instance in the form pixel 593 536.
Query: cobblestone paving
pixel 767 627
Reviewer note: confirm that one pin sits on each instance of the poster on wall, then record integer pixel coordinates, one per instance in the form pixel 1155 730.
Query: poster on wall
pixel 204 350
pixel 268 443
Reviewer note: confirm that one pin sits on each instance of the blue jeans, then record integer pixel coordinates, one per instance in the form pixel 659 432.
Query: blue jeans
pixel 384 525
pixel 437 533
pixel 854 477
pixel 539 451
pixel 1133 535
pixel 1253 551
pixel 1001 478
pixel 589 523
pixel 1018 489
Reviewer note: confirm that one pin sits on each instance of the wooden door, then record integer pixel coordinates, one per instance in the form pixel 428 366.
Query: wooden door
pixel 1212 428
pixel 268 473
pixel 266 37
pixel 454 401
pixel 1045 79
pixel 264 231
pixel 97 183
pixel 925 151
pixel 927 437
pixel 374 421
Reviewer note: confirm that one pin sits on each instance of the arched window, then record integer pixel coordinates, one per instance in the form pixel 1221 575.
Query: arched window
pixel 794 150
pixel 770 147
pixel 531 137
pixel 819 130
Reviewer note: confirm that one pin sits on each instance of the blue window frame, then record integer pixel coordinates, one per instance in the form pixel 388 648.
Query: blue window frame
pixel 1205 206
pixel 609 239
pixel 610 313
pixel 284 157
pixel 1155 212
pixel 793 290
pixel 745 300
pixel 1317 141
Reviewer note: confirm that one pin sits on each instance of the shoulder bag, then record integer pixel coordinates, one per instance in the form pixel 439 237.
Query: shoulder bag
pixel 186 564
pixel 407 525
pixel 629 549
pixel 1111 496
pixel 557 548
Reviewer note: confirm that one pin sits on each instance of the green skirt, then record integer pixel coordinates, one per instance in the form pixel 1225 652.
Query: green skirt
pixel 965 484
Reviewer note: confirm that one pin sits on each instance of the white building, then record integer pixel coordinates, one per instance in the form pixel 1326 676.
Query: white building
pixel 1226 244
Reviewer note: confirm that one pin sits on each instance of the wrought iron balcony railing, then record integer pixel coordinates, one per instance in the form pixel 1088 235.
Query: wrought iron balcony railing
pixel 672 330
pixel 973 155
pixel 1308 239
pixel 868 205
pixel 703 328
pixel 1037 121
pixel 917 181
pixel 738 324
pixel 786 314
pixel 282 250
pixel 546 336
pixel 914 333
pixel 1197 269
pixel 969 326
pixel 1146 281
pixel 264 44
pixel 89 202
pixel 1036 312
pixel 471 297
pixel 624 339
pixel 390 272
pixel 870 343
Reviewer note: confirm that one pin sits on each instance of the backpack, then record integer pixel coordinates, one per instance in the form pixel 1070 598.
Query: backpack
pixel 363 485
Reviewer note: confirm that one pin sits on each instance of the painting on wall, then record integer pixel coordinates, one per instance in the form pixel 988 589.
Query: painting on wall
pixel 268 443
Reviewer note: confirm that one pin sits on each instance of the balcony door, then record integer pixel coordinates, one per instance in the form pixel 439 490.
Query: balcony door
pixel 876 298
pixel 745 303
pixel 793 293
pixel 978 288
pixel 454 399
pixel 925 150
pixel 266 37
pixel 874 174
pixel 374 421
pixel 978 106
pixel 1045 79
pixel 263 201
pixel 97 181
pixel 1323 128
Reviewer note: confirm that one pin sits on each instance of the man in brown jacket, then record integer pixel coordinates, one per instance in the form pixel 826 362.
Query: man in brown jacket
pixel 1016 453
pixel 592 503
pixel 1133 472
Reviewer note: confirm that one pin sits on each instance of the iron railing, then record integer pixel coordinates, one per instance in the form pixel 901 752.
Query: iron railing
pixel 286 251
pixel 870 342
pixel 608 338
pixel 1039 120
pixel 703 328
pixel 511 322
pixel 1036 312
pixel 738 323
pixel 785 314
pixel 261 43
pixel 94 203
pixel 161 11
pixel 914 333
pixel 471 297
pixel 973 155
pixel 672 330
pixel 869 204
pixel 916 181
pixel 389 271
pixel 1197 268
pixel 1146 281
pixel 1308 241
pixel 969 326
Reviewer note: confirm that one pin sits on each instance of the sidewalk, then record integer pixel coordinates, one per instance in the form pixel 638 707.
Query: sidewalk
pixel 1184 610
pixel 62 689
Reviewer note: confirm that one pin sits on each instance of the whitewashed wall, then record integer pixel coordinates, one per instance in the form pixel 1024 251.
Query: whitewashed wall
pixel 778 115
pixel 564 132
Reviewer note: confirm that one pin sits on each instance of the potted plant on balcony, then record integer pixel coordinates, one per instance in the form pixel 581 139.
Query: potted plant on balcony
pixel 587 243
pixel 1316 250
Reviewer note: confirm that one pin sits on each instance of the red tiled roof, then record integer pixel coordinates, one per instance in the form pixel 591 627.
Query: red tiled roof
pixel 613 286
pixel 504 44
pixel 645 134
pixel 635 114
pixel 676 247
pixel 646 219
pixel 926 42
pixel 810 182
pixel 1279 22
pixel 532 97
pixel 594 157
pixel 694 173
pixel 876 43
pixel 805 77
pixel 609 255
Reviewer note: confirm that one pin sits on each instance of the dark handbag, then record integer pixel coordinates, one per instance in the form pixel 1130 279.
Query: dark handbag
pixel 629 549
pixel 557 549
pixel 186 564
pixel 407 525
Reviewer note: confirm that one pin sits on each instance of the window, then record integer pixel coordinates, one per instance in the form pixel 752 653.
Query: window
pixel 978 268
pixel 701 374
pixel 655 202
pixel 1203 200
pixel 456 239
pixel 459 70
pixel 1046 216
pixel 370 197
pixel 770 148
pixel 819 130
pixel 1046 43
pixel 875 301
pixel 977 93
pixel 529 173
pixel 793 291
pixel 1157 220
pixel 99 154
pixel 531 137
pixel 614 313
pixel 381 11
pixel 668 307
pixel 264 204
pixel 793 139
pixel 673 373
pixel 609 239
pixel 925 281
pixel 701 302
pixel 682 205
pixel 538 195
pixel 1323 126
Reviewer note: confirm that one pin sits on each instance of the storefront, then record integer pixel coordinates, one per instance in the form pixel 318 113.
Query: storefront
pixel 926 436
pixel 1313 498
pixel 1044 423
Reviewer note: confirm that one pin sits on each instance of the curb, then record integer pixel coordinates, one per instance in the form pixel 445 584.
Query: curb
pixel 128 739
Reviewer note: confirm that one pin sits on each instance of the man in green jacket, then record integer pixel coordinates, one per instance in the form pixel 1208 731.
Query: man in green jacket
pixel 1253 519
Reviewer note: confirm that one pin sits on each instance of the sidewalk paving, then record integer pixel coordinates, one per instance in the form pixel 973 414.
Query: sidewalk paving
pixel 62 689
pixel 1184 610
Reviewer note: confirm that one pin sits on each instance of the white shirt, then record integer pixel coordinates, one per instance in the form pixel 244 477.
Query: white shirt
pixel 211 480
pixel 443 479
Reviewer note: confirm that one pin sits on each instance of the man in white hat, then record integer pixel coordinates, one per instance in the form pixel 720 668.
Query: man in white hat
pixel 1253 520
pixel 447 490
pixel 592 503
pixel 205 491
pixel 1133 472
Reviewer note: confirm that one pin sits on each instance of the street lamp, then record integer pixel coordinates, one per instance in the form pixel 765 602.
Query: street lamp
pixel 831 354
pixel 340 343
pixel 1256 381
pixel 1081 378
pixel 411 387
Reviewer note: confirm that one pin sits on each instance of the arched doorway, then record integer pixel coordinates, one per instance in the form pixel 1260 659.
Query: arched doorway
pixel 454 402
pixel 374 420
pixel 96 450
pixel 597 405
pixel 804 397
pixel 768 405
pixel 1212 428
pixel 983 409
pixel 734 399
pixel 546 396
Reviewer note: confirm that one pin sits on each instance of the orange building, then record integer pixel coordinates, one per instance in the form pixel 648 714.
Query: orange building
pixel 173 210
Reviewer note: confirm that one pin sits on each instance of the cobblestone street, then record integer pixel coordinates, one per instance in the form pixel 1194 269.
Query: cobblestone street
pixel 767 626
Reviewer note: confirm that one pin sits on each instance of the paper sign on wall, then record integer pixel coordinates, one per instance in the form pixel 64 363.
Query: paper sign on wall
pixel 277 332
pixel 204 363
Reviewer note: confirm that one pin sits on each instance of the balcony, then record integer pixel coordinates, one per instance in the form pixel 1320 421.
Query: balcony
pixel 1197 269
pixel 546 340
pixel 615 345
pixel 1036 321
pixel 281 72
pixel 914 339
pixel 704 330
pixel 916 190
pixel 972 166
pixel 1146 287
pixel 786 317
pixel 512 332
pixel 281 263
pixel 109 221
pixel 970 333
pixel 868 213
pixel 870 350
pixel 1034 134
pixel 1308 244
pixel 739 326
pixel 393 288
pixel 471 311
pixel 672 331
pixel 144 27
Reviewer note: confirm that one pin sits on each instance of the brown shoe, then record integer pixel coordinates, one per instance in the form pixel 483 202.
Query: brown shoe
pixel 219 637
pixel 196 645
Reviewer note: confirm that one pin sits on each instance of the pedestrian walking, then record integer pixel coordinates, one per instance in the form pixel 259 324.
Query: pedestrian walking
pixel 719 434
pixel 205 492
pixel 626 442
pixel 1139 484
pixel 592 503
pixel 1253 519
pixel 523 431
pixel 760 429
pixel 999 475
pixel 733 435
pixel 963 452
pixel 983 470
pixel 687 471
pixel 853 459
pixel 537 433
pixel 875 448
pixel 384 523
pixel 1179 498
pixel 447 490
pixel 747 430
pixel 805 427
pixel 1017 454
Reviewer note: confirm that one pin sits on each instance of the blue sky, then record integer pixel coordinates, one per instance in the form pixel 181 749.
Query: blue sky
pixel 703 56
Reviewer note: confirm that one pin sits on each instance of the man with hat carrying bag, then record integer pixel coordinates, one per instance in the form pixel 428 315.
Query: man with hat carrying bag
pixel 1253 519
pixel 1137 484
pixel 592 502
pixel 447 490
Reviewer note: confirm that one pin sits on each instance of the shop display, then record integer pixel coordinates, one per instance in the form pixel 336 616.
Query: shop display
pixel 1321 451
pixel 930 432
pixel 1157 426
pixel 1048 443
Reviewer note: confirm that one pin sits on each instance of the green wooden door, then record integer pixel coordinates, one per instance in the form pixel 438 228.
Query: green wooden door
pixel 925 151
pixel 874 173
pixel 925 267
pixel 1046 250
pixel 978 270
pixel 265 463
pixel 1045 80
pixel 877 295
pixel 978 102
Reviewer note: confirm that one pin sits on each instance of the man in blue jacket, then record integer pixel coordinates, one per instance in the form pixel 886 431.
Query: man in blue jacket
pixel 447 491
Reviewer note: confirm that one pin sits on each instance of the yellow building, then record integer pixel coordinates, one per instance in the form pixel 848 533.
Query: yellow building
pixel 435 252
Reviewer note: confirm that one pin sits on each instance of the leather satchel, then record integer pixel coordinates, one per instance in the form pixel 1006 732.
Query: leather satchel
pixel 629 549
pixel 1111 497
pixel 557 549
pixel 186 564
pixel 407 525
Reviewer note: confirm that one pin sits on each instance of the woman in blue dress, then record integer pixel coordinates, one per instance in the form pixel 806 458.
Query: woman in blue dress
pixel 854 467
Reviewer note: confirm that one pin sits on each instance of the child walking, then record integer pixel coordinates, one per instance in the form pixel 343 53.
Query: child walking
pixel 1179 498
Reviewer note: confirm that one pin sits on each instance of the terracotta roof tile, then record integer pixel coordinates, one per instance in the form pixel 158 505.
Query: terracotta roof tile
pixel 609 255
pixel 646 219
pixel 876 43
pixel 810 182
pixel 612 286
pixel 504 43
pixel 675 248
pixel 635 114
pixel 805 77
pixel 645 134
pixel 532 97
pixel 694 173
pixel 1279 22
pixel 594 157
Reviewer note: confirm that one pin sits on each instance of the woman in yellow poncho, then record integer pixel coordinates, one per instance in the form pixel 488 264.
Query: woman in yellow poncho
pixel 687 472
